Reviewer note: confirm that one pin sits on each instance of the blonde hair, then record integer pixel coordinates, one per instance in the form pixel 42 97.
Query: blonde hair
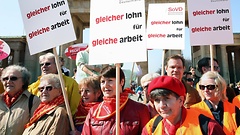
pixel 220 82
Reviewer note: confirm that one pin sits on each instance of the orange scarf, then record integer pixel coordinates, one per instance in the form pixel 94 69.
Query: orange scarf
pixel 107 108
pixel 44 108
pixel 10 100
pixel 82 112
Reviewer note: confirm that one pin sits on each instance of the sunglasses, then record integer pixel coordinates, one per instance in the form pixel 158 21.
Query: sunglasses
pixel 47 88
pixel 189 79
pixel 45 64
pixel 209 87
pixel 11 78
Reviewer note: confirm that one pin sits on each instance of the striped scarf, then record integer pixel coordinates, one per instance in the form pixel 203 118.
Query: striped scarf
pixel 10 100
pixel 82 112
pixel 44 108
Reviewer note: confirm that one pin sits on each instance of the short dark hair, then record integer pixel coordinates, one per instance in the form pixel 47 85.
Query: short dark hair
pixel 204 62
pixel 185 75
pixel 177 56
pixel 162 92
pixel 110 72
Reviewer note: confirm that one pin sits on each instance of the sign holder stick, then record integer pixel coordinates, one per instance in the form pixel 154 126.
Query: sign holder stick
pixel 163 56
pixel 63 89
pixel 211 56
pixel 118 99
pixel 132 73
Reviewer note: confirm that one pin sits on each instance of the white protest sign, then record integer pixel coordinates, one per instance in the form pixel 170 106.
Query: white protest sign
pixel 210 22
pixel 166 26
pixel 117 32
pixel 4 50
pixel 47 23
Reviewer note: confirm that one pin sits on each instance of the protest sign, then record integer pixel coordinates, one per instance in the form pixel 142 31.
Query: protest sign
pixel 71 51
pixel 117 36
pixel 47 24
pixel 210 22
pixel 166 26
pixel 4 50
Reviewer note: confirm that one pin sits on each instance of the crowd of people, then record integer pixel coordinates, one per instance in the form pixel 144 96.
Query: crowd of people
pixel 179 102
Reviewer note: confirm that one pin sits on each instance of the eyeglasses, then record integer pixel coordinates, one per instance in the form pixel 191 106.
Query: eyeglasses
pixel 47 88
pixel 46 64
pixel 209 87
pixel 11 78
pixel 189 79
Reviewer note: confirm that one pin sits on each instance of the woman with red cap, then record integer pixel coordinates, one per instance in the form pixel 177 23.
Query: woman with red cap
pixel 168 94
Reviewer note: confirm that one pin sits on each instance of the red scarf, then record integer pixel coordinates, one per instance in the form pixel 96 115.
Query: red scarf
pixel 107 108
pixel 10 100
pixel 82 112
pixel 44 108
pixel 171 129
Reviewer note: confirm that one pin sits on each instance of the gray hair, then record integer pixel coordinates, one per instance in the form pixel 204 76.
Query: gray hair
pixel 53 78
pixel 24 72
pixel 47 56
pixel 149 77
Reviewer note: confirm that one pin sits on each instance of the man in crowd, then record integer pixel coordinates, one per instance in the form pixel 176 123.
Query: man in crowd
pixel 175 66
pixel 48 65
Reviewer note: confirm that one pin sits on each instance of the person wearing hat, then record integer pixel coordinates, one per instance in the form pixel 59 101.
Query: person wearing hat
pixel 168 94
pixel 175 66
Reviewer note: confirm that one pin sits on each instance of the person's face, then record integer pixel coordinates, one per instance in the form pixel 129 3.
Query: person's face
pixel 209 93
pixel 12 81
pixel 47 91
pixel 168 107
pixel 208 68
pixel 88 94
pixel 48 66
pixel 175 68
pixel 108 86
pixel 192 71
pixel 189 80
pixel 145 88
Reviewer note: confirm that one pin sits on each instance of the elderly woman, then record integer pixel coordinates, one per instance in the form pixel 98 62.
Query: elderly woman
pixel 16 103
pixel 101 118
pixel 91 94
pixel 215 103
pixel 51 116
pixel 145 81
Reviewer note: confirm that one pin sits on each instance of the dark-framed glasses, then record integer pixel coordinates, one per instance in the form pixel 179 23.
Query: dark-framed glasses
pixel 11 78
pixel 45 64
pixel 209 87
pixel 47 88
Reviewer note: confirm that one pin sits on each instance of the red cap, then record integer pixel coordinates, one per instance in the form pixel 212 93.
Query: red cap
pixel 169 83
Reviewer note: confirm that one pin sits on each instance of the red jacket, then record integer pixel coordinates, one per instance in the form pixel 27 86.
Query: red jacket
pixel 133 117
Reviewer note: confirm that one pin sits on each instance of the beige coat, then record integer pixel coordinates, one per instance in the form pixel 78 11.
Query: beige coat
pixel 55 122
pixel 13 120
